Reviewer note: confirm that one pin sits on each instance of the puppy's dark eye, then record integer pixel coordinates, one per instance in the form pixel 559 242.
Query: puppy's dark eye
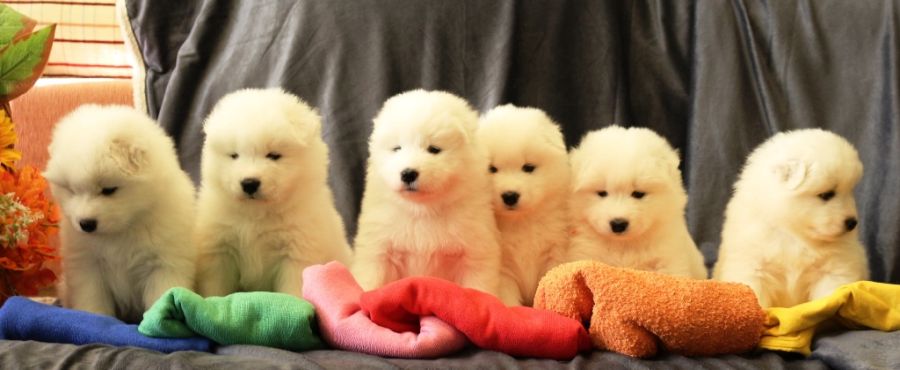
pixel 273 156
pixel 826 195
pixel 492 169
pixel 602 193
pixel 395 149
pixel 433 149
pixel 233 155
pixel 528 167
pixel 638 194
pixel 109 191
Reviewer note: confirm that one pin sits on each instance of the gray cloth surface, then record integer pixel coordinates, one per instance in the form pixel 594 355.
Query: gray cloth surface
pixel 854 350
pixel 16 354
pixel 38 355
pixel 471 359
pixel 858 350
pixel 714 77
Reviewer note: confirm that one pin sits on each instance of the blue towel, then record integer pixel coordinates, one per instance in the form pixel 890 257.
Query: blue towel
pixel 24 319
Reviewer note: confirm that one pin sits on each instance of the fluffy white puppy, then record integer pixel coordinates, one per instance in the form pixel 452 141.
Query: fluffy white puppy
pixel 628 203
pixel 790 228
pixel 128 207
pixel 530 174
pixel 265 208
pixel 427 209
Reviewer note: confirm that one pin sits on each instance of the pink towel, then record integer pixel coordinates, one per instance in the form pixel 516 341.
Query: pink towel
pixel 335 294
pixel 487 322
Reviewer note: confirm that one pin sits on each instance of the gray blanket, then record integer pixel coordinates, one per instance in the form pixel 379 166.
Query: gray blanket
pixel 14 354
pixel 850 350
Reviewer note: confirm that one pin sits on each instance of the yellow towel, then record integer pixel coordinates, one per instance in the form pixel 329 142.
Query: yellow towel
pixel 861 304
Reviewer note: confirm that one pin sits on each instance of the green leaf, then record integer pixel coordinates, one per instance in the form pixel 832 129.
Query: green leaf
pixel 13 25
pixel 23 62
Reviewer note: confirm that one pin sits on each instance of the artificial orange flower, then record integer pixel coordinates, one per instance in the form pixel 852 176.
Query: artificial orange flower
pixel 8 154
pixel 29 219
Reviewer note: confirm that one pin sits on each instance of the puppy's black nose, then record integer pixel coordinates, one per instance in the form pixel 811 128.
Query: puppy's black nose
pixel 250 185
pixel 850 223
pixel 409 175
pixel 618 225
pixel 510 198
pixel 88 225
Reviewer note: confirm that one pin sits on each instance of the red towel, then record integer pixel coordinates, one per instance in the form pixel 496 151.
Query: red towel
pixel 334 293
pixel 518 331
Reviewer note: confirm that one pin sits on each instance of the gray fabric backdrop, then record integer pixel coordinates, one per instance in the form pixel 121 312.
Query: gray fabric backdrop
pixel 715 77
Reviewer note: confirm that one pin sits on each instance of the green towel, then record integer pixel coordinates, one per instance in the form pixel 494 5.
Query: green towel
pixel 261 318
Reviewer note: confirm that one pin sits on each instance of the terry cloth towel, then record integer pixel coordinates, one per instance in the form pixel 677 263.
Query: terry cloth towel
pixel 484 319
pixel 262 318
pixel 635 312
pixel 860 304
pixel 335 294
pixel 24 319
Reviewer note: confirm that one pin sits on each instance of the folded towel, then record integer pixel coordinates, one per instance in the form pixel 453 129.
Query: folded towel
pixel 335 294
pixel 261 318
pixel 633 312
pixel 23 319
pixel 863 303
pixel 484 319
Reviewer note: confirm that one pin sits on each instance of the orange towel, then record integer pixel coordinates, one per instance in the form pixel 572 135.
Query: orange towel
pixel 633 312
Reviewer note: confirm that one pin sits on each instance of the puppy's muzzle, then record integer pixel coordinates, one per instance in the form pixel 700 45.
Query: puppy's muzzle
pixel 510 198
pixel 88 225
pixel 409 177
pixel 250 185
pixel 618 225
pixel 850 223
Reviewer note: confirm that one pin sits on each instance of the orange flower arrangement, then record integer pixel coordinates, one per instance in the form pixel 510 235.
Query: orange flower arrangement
pixel 8 153
pixel 29 219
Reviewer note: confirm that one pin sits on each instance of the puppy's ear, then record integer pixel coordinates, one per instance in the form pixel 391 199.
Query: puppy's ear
pixel 554 138
pixel 667 163
pixel 791 173
pixel 464 120
pixel 454 129
pixel 577 165
pixel 464 132
pixel 305 122
pixel 129 158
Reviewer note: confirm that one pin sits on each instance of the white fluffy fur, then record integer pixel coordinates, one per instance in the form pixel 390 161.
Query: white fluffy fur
pixel 263 241
pixel 780 237
pixel 608 167
pixel 534 229
pixel 141 246
pixel 442 224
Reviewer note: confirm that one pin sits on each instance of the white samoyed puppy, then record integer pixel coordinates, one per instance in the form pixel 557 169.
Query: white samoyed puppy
pixel 265 209
pixel 427 209
pixel 530 173
pixel 128 207
pixel 790 228
pixel 628 203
